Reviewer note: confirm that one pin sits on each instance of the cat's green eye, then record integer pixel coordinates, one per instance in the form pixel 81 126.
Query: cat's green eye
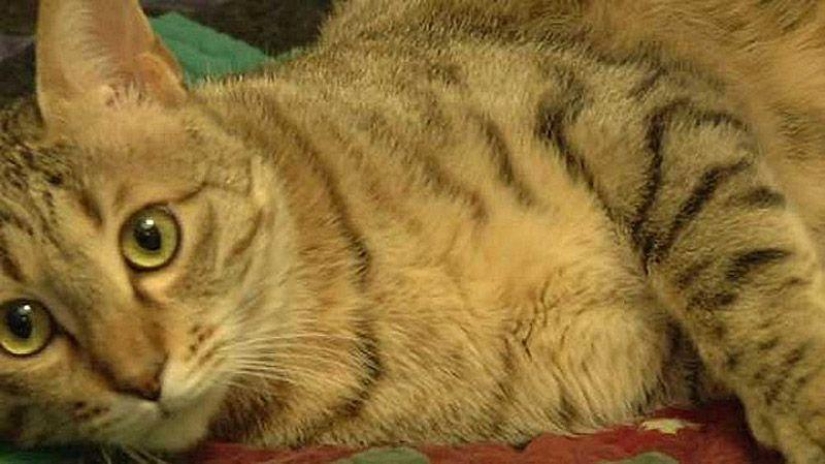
pixel 149 240
pixel 26 327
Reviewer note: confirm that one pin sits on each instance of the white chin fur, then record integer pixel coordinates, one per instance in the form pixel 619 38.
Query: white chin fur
pixel 185 429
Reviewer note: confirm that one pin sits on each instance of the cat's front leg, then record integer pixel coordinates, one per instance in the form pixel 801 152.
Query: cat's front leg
pixel 735 265
pixel 766 343
pixel 724 248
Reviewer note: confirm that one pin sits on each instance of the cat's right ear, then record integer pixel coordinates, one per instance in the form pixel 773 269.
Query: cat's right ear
pixel 91 52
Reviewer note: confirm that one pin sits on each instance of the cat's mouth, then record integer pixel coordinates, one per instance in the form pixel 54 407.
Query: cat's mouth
pixel 165 413
pixel 168 408
pixel 180 425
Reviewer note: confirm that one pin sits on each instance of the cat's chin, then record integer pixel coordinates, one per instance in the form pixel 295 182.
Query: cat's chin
pixel 184 429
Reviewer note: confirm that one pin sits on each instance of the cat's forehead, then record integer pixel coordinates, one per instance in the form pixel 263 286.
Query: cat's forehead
pixel 143 155
pixel 31 181
pixel 26 164
pixel 26 168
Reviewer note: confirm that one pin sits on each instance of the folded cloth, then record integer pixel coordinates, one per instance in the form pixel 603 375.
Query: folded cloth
pixel 12 45
pixel 204 52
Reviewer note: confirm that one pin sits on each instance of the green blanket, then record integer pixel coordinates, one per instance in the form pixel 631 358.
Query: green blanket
pixel 202 52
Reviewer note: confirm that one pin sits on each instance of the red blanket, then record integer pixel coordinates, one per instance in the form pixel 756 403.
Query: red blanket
pixel 714 434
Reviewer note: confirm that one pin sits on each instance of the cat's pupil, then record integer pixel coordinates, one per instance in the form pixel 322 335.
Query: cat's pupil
pixel 19 321
pixel 147 235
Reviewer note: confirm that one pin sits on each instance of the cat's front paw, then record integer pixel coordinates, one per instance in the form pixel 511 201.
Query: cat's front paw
pixel 797 432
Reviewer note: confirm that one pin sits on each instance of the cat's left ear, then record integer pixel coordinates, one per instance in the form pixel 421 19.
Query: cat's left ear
pixel 91 51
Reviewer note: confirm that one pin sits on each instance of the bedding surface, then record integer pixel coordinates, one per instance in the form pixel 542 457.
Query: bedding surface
pixel 715 434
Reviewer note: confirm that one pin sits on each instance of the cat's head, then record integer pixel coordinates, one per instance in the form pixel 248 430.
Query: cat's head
pixel 131 235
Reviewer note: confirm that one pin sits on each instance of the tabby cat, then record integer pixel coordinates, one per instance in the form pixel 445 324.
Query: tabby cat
pixel 451 220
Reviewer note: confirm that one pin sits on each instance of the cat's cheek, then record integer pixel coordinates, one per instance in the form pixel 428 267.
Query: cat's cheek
pixel 11 421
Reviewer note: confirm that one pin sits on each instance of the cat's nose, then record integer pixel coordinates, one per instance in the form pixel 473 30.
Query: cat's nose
pixel 144 383
pixel 129 355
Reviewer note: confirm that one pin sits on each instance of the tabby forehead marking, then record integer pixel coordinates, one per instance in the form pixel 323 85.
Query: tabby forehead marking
pixel 11 268
pixel 202 245
pixel 120 197
pixel 245 242
pixel 90 207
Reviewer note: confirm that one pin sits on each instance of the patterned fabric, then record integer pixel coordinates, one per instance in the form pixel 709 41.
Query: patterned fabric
pixel 715 434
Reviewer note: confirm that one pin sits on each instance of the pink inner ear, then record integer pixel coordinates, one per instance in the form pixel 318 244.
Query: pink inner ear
pixel 159 80
pixel 84 45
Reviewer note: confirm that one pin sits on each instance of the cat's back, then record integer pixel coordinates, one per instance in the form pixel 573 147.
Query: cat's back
pixel 446 159
pixel 453 141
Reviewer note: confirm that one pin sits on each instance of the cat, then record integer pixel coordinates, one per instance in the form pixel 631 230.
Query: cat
pixel 448 221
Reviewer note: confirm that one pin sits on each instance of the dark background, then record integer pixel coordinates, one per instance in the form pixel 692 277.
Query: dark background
pixel 274 26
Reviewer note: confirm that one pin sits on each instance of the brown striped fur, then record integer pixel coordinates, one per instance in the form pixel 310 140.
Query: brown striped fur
pixel 450 220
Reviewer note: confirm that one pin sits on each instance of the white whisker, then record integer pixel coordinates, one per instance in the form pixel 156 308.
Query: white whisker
pixel 263 337
pixel 133 455
pixel 292 378
pixel 264 375
pixel 150 456
pixel 104 453
pixel 292 369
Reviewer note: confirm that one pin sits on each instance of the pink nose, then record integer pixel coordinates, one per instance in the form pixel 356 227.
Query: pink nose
pixel 138 379
pixel 134 371
pixel 147 385
pixel 129 353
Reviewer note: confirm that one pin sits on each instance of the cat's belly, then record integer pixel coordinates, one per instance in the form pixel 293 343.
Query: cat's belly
pixel 544 324
pixel 502 337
